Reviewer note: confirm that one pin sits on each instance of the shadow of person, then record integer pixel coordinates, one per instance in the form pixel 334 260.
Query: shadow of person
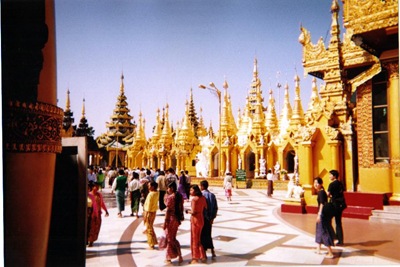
pixel 355 253
pixel 370 243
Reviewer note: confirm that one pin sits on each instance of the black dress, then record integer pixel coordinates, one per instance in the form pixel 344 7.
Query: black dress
pixel 324 231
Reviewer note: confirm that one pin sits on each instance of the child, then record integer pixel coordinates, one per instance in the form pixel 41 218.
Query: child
pixel 228 186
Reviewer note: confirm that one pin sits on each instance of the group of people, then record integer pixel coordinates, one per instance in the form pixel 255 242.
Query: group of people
pixel 167 192
pixel 203 212
pixel 327 210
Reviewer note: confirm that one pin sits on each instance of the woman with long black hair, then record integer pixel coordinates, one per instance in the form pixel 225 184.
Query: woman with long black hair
pixel 173 217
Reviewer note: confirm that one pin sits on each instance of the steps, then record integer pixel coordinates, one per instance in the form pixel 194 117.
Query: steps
pixel 358 212
pixel 389 214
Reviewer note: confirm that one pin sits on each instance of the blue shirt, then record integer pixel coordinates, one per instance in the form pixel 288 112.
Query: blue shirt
pixel 212 206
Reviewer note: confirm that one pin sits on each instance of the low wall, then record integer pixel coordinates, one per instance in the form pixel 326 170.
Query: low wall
pixel 249 183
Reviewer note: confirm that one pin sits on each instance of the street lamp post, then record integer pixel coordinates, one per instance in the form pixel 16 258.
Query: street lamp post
pixel 212 88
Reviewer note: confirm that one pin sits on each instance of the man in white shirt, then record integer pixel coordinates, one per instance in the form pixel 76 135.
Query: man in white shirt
pixel 91 175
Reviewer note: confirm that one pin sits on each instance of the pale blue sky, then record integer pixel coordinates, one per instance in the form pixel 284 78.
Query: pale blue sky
pixel 166 47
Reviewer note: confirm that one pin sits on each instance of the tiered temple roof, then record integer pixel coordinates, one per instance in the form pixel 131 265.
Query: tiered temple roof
pixel 120 127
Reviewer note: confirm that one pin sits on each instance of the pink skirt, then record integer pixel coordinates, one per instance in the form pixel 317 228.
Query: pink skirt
pixel 228 192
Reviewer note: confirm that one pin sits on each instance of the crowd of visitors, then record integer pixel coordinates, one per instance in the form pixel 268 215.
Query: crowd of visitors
pixel 167 192
pixel 155 190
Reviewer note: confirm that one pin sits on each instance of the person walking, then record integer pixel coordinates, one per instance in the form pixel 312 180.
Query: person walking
pixel 171 176
pixel 270 179
pixel 182 186
pixel 134 193
pixel 188 183
pixel 336 193
pixel 100 179
pixel 111 174
pixel 162 189
pixel 198 205
pixel 324 231
pixel 91 176
pixel 173 218
pixel 228 186
pixel 150 208
pixel 209 216
pixel 119 187
pixel 95 205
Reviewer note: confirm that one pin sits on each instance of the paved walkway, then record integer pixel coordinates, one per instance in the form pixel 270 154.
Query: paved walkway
pixel 248 231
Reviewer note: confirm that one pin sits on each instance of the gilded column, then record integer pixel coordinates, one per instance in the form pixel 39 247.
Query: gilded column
pixel 257 165
pixel 334 143
pixel 347 131
pixel 305 164
pixel 394 127
pixel 210 164
pixel 335 149
pixel 305 169
pixel 31 128
pixel 229 166
pixel 223 163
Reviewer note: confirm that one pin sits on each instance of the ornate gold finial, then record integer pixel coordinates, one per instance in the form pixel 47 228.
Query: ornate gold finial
pixel 297 118
pixel 271 121
pixel 83 108
pixel 286 114
pixel 335 6
pixel 225 85
pixel 255 68
pixel 314 100
pixel 122 87
pixel 68 102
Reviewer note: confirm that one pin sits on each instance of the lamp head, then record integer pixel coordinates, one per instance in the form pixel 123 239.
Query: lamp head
pixel 201 86
pixel 212 84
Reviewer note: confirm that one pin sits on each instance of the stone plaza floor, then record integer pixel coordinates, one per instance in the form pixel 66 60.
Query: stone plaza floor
pixel 250 230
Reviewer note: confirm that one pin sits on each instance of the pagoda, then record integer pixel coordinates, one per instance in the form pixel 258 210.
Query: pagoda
pixel 83 128
pixel 118 129
pixel 68 129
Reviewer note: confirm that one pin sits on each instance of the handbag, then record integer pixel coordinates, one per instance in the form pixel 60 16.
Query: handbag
pixel 162 242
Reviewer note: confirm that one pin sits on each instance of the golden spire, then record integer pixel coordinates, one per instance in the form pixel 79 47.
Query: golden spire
pixel 239 118
pixel 166 135
pixel 68 102
pixel 140 139
pixel 186 122
pixel 122 87
pixel 314 100
pixel 256 107
pixel 286 112
pixel 297 118
pixel 120 126
pixel 185 136
pixel 335 30
pixel 83 108
pixel 210 130
pixel 157 128
pixel 228 126
pixel 246 120
pixel 271 121
pixel 256 81
pixel 201 129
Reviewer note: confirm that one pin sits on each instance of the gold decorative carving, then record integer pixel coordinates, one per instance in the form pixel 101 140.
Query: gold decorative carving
pixel 32 127
pixel 332 133
pixel 305 133
pixel 346 127
pixel 364 125
pixel 312 53
pixel 368 15
pixel 393 70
